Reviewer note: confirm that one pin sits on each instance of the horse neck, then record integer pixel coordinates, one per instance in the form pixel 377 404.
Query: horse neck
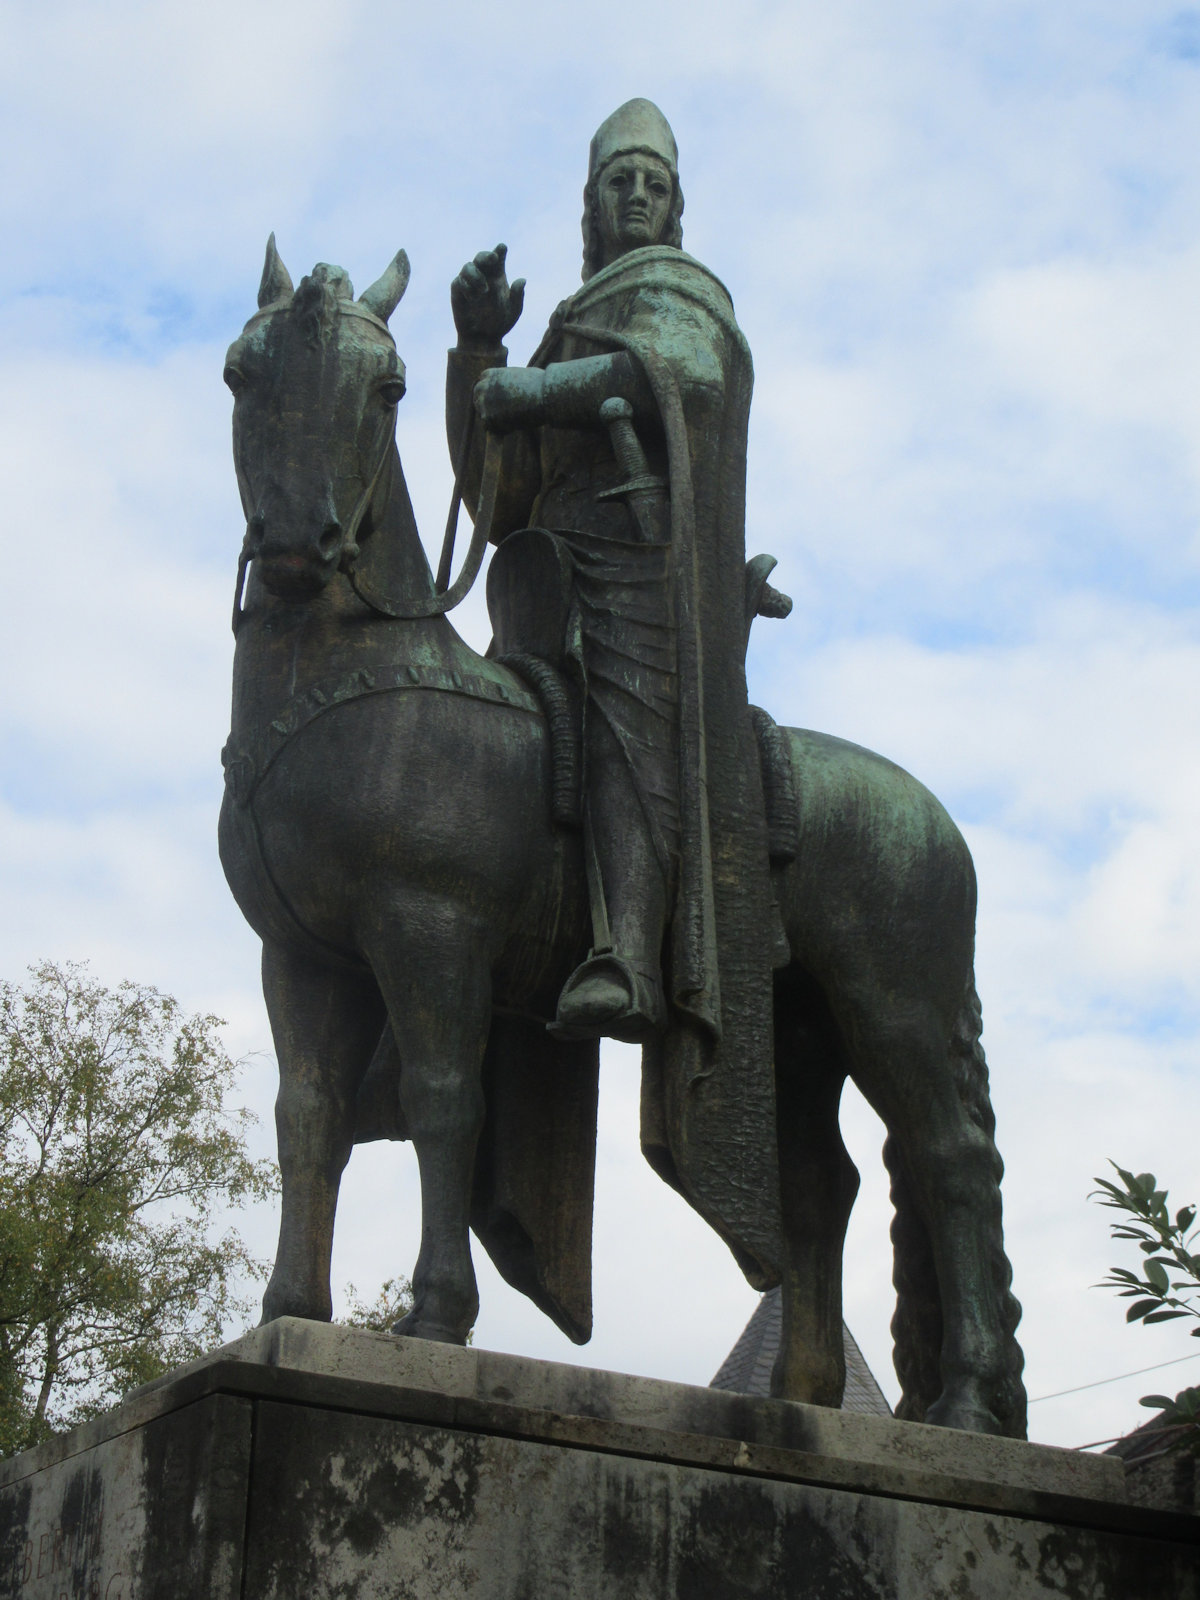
pixel 393 557
pixel 285 648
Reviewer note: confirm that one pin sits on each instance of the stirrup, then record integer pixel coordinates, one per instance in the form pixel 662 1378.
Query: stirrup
pixel 608 997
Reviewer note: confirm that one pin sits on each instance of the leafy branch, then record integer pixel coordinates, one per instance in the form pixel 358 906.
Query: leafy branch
pixel 120 1159
pixel 1168 1286
pixel 394 1300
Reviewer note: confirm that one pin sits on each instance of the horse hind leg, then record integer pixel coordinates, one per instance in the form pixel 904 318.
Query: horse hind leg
pixel 818 1184
pixel 917 1321
pixel 326 1025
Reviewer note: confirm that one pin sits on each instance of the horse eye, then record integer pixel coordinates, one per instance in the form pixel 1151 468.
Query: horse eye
pixel 392 391
pixel 235 379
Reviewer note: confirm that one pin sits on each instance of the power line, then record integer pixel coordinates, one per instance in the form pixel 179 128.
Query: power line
pixel 1136 1373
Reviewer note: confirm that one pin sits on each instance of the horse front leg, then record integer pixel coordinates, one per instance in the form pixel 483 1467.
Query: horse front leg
pixel 326 1025
pixel 436 979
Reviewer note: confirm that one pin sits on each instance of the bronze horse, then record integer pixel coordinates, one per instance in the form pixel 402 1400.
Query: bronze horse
pixel 387 830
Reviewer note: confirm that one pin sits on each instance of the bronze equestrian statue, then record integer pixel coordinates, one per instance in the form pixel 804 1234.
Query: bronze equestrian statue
pixel 467 869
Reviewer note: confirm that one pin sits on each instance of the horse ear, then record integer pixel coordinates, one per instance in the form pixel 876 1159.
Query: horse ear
pixel 276 279
pixel 385 295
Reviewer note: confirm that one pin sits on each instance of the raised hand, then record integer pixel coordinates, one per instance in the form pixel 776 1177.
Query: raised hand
pixel 484 303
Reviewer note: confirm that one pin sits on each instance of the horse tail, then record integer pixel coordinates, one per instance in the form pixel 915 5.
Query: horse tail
pixel 917 1324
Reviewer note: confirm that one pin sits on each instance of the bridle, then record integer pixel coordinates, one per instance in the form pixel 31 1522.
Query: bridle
pixel 446 595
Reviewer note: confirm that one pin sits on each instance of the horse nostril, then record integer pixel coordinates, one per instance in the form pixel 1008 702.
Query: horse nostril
pixel 330 540
pixel 255 529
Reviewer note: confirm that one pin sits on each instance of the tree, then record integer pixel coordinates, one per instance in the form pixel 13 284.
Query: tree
pixel 117 1155
pixel 1168 1286
pixel 394 1300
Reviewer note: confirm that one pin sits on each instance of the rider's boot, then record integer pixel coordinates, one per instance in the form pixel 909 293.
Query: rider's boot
pixel 617 993
pixel 608 997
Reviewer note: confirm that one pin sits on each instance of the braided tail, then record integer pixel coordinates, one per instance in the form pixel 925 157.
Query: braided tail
pixel 917 1324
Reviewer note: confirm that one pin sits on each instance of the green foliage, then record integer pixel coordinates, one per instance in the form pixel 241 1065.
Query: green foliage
pixel 1168 1286
pixel 1183 1411
pixel 116 1155
pixel 392 1302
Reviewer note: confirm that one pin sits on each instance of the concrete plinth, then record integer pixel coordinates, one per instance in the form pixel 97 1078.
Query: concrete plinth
pixel 307 1462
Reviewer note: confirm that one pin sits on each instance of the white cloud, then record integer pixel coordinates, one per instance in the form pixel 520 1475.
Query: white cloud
pixel 963 248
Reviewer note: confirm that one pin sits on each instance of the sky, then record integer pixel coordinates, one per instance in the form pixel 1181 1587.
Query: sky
pixel 964 245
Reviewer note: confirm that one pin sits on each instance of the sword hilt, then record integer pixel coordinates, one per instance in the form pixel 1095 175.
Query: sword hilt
pixel 617 416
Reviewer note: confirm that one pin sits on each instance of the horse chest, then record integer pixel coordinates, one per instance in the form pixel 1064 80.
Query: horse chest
pixel 388 800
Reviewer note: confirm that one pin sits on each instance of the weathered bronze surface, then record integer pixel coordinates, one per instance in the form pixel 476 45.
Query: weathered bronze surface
pixel 465 870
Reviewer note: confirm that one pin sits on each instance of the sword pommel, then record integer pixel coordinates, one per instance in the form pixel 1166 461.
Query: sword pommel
pixel 643 491
pixel 617 416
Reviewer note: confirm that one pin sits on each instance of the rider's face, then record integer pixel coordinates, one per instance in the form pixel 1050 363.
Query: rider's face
pixel 634 202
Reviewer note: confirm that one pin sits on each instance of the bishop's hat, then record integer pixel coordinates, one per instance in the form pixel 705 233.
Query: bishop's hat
pixel 637 126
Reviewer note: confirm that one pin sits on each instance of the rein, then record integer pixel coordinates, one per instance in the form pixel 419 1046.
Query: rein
pixel 436 605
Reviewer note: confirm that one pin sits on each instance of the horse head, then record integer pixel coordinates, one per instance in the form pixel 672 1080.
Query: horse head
pixel 316 380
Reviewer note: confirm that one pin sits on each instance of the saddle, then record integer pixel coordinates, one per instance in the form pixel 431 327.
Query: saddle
pixel 529 592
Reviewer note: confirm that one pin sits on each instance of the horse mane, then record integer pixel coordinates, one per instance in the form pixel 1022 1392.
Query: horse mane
pixel 315 302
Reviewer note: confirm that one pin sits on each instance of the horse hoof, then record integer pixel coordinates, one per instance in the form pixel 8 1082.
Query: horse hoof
pixel 964 1415
pixel 417 1327
pixel 279 1303
pixel 290 1311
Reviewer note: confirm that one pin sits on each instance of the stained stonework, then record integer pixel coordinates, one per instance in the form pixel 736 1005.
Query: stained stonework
pixel 307 1461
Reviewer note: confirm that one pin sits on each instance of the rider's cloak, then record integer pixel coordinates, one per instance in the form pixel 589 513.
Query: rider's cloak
pixel 708 1095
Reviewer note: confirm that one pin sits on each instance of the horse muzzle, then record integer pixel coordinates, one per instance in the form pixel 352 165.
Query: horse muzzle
pixel 295 567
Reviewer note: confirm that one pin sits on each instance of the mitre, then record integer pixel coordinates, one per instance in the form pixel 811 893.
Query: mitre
pixel 639 126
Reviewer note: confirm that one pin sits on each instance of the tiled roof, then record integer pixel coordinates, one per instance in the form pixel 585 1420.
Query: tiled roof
pixel 1158 1471
pixel 747 1367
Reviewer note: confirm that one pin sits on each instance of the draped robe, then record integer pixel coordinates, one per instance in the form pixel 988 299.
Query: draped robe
pixel 708 1094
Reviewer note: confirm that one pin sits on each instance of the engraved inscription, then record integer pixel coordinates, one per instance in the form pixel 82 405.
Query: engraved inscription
pixel 47 1556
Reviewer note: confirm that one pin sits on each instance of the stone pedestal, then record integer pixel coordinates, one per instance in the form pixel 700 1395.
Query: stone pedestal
pixel 306 1462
